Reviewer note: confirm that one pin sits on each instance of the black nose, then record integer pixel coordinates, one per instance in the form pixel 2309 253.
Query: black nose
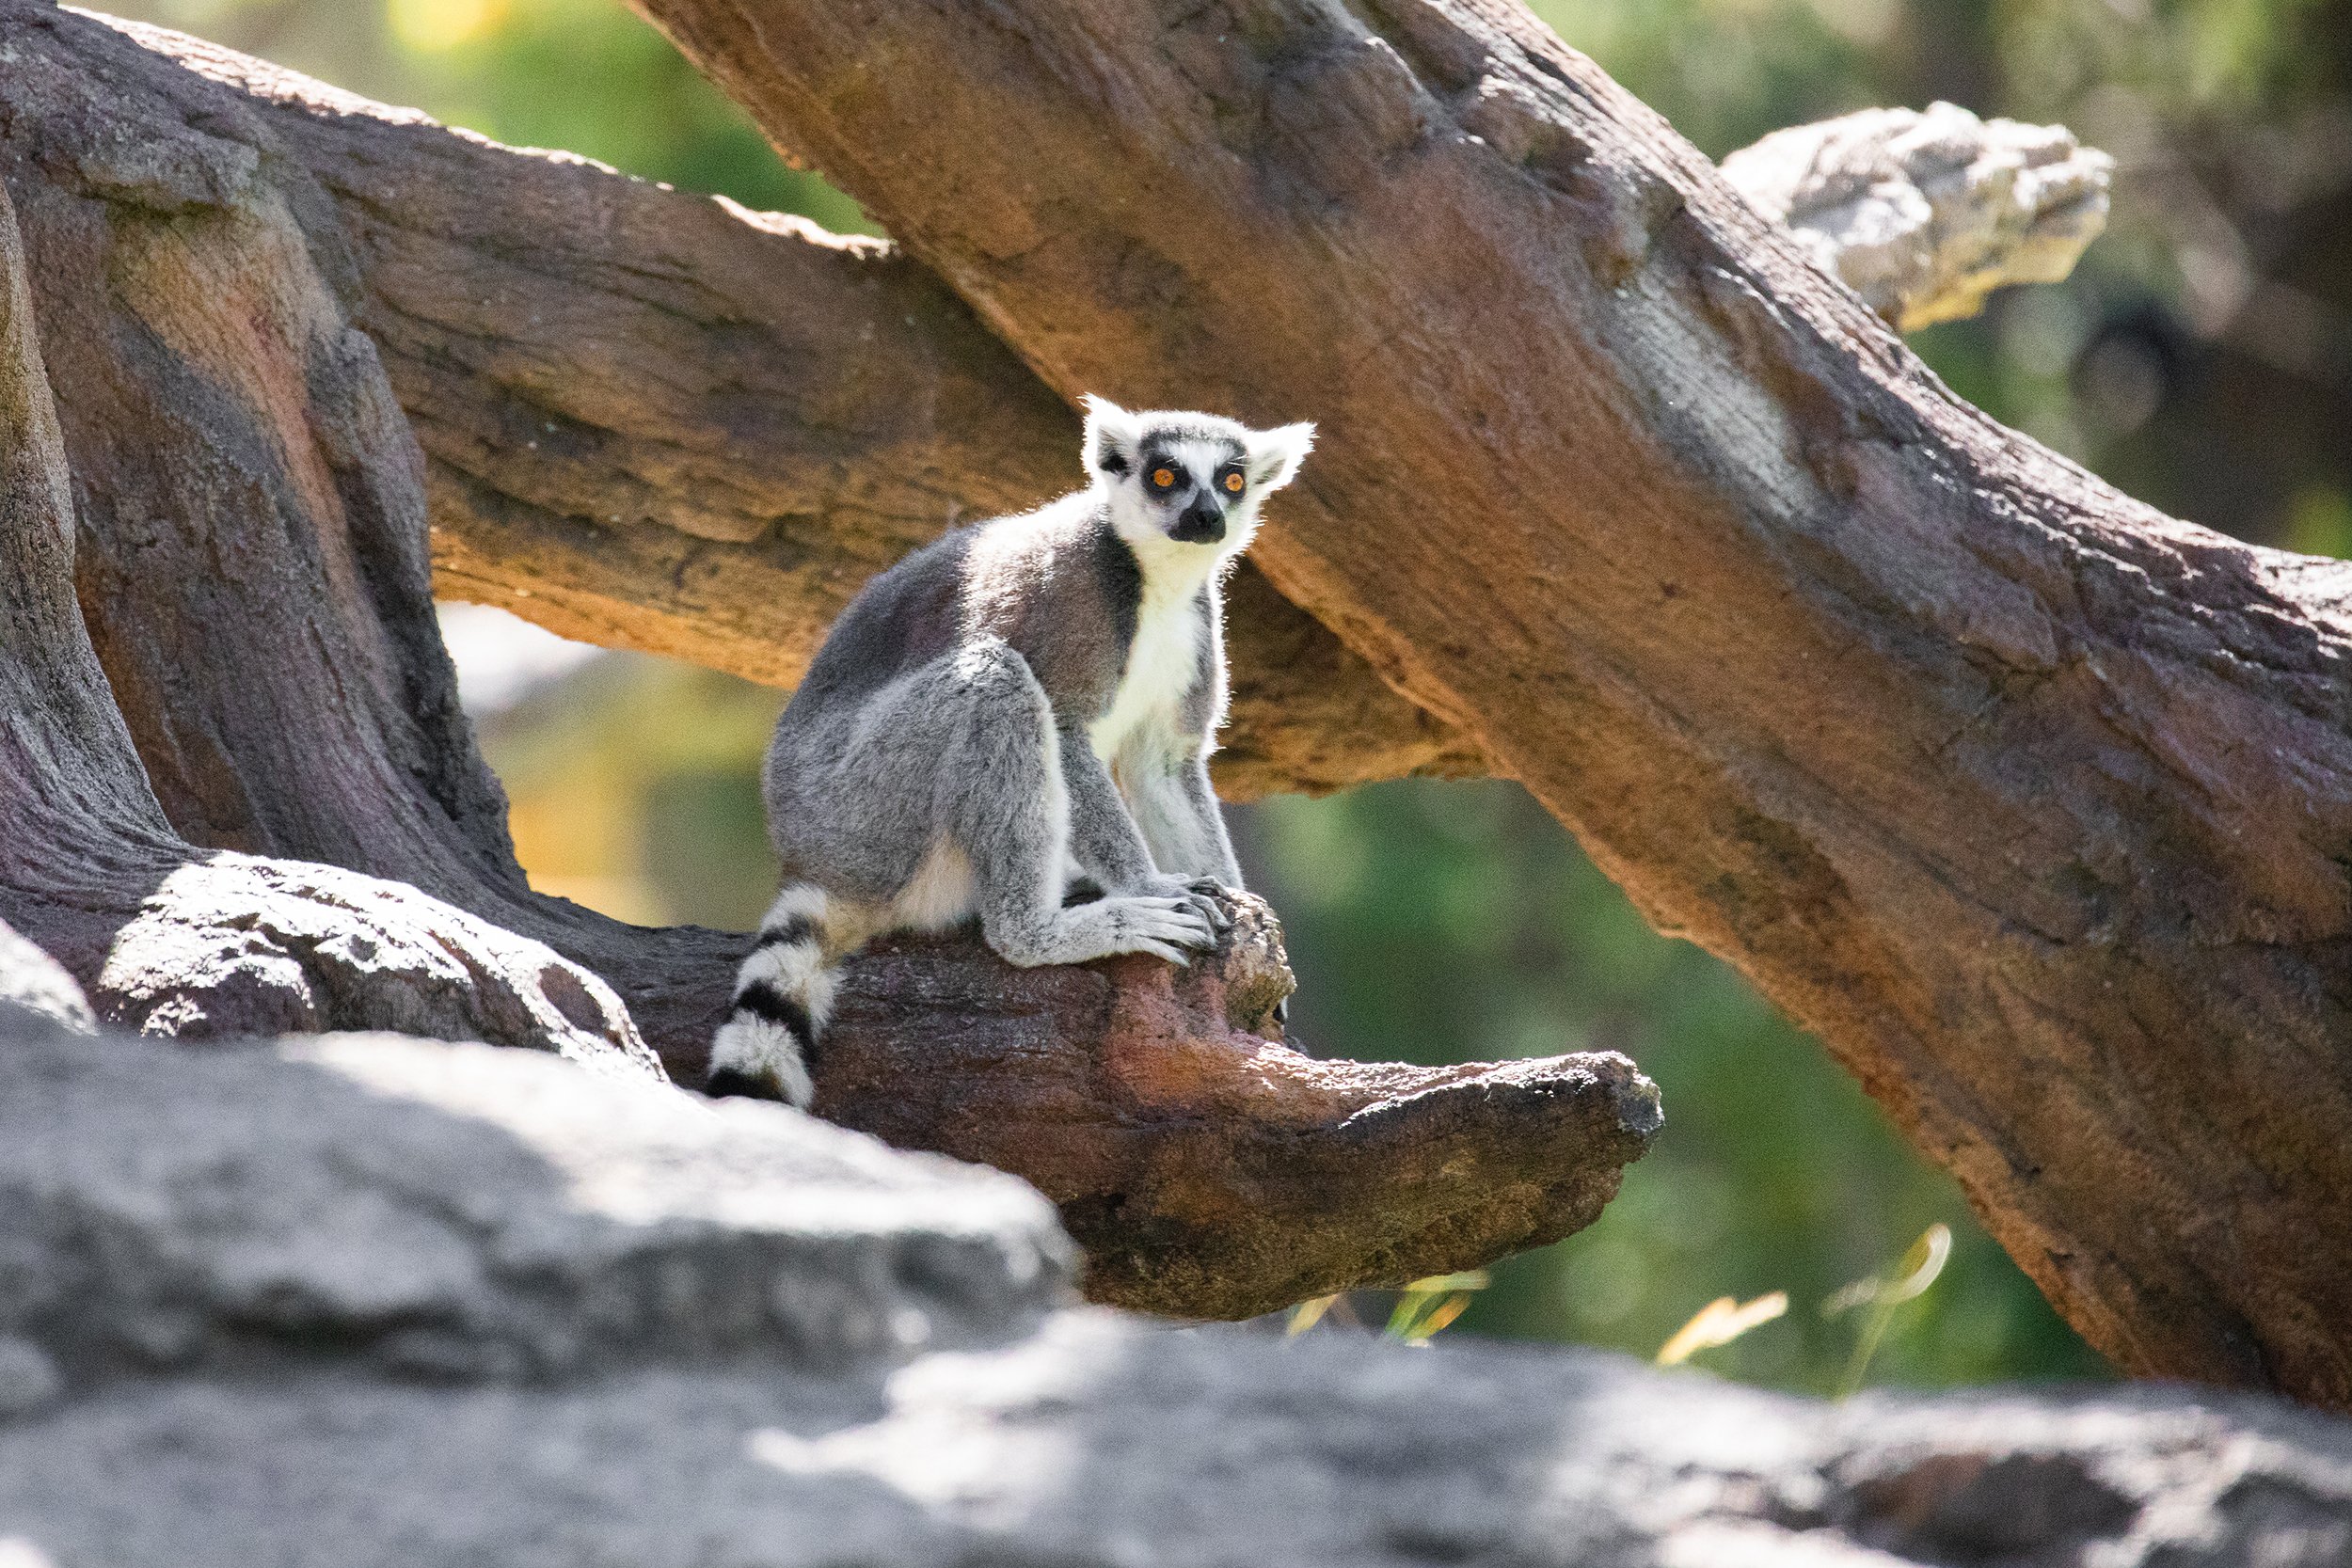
pixel 1202 523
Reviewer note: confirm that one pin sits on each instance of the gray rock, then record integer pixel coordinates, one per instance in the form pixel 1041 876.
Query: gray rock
pixel 663 1334
pixel 1103 1440
pixel 28 1379
pixel 33 986
pixel 462 1212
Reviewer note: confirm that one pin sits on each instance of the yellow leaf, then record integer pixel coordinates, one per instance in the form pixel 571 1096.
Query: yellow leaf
pixel 1449 1310
pixel 1719 1322
pixel 1307 1314
pixel 1915 1271
pixel 1437 1284
pixel 1920 1265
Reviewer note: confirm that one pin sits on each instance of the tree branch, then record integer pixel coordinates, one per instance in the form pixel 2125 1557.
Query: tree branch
pixel 249 511
pixel 1207 1170
pixel 655 421
pixel 2032 802
pixel 1925 215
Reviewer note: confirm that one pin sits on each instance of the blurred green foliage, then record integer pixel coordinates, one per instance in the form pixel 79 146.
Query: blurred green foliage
pixel 1438 922
pixel 2201 357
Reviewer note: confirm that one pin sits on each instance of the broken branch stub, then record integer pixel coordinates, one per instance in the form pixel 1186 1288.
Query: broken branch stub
pixel 1925 215
pixel 1206 1169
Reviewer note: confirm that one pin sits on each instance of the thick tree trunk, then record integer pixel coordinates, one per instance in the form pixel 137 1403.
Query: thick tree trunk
pixel 2034 803
pixel 252 571
pixel 167 937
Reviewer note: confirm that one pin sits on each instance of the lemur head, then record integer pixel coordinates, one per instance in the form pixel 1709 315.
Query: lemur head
pixel 1187 485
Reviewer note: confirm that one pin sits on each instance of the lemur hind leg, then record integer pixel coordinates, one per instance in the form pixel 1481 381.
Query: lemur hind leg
pixel 1009 807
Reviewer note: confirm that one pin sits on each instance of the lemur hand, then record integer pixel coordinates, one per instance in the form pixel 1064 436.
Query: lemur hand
pixel 1198 892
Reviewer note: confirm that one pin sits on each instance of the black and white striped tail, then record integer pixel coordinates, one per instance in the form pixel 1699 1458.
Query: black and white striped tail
pixel 782 995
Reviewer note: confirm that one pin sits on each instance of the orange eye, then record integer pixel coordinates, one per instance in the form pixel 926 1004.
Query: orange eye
pixel 1233 483
pixel 1164 478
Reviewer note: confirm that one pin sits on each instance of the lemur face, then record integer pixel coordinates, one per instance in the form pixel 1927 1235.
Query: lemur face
pixel 1187 479
pixel 1190 482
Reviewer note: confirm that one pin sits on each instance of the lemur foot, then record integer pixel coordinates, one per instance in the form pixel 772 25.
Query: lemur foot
pixel 1163 926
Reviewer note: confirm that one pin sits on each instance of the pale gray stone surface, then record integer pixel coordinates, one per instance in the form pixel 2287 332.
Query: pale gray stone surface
pixel 366 1300
pixel 33 985
pixel 461 1212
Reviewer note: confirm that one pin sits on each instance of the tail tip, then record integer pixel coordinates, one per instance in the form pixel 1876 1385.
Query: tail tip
pixel 755 1058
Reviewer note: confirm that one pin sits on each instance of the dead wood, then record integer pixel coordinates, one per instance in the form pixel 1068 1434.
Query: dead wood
pixel 655 421
pixel 264 813
pixel 1207 1169
pixel 2032 802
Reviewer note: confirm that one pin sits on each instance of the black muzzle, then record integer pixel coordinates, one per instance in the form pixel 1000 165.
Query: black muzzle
pixel 1202 523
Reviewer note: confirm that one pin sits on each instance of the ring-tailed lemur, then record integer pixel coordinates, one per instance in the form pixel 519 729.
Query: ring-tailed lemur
pixel 1020 709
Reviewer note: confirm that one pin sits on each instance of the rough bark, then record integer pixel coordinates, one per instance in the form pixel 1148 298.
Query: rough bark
pixel 161 934
pixel 359 1301
pixel 2032 802
pixel 240 507
pixel 1207 1170
pixel 655 421
pixel 322 847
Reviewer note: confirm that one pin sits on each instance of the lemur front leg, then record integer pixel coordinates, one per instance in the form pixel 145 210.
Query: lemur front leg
pixel 1177 810
pixel 1176 807
pixel 1107 842
pixel 1006 805
pixel 1104 843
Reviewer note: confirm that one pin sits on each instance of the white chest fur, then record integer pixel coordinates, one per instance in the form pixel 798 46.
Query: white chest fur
pixel 1162 665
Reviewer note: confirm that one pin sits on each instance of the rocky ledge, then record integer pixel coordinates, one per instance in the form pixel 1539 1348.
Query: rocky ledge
pixel 368 1300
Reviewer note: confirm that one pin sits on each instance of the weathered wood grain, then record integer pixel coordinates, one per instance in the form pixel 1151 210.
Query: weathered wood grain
pixel 237 797
pixel 655 421
pixel 2035 804
pixel 1205 1167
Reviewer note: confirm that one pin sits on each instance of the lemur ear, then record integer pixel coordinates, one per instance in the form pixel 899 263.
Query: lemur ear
pixel 1276 454
pixel 1110 439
